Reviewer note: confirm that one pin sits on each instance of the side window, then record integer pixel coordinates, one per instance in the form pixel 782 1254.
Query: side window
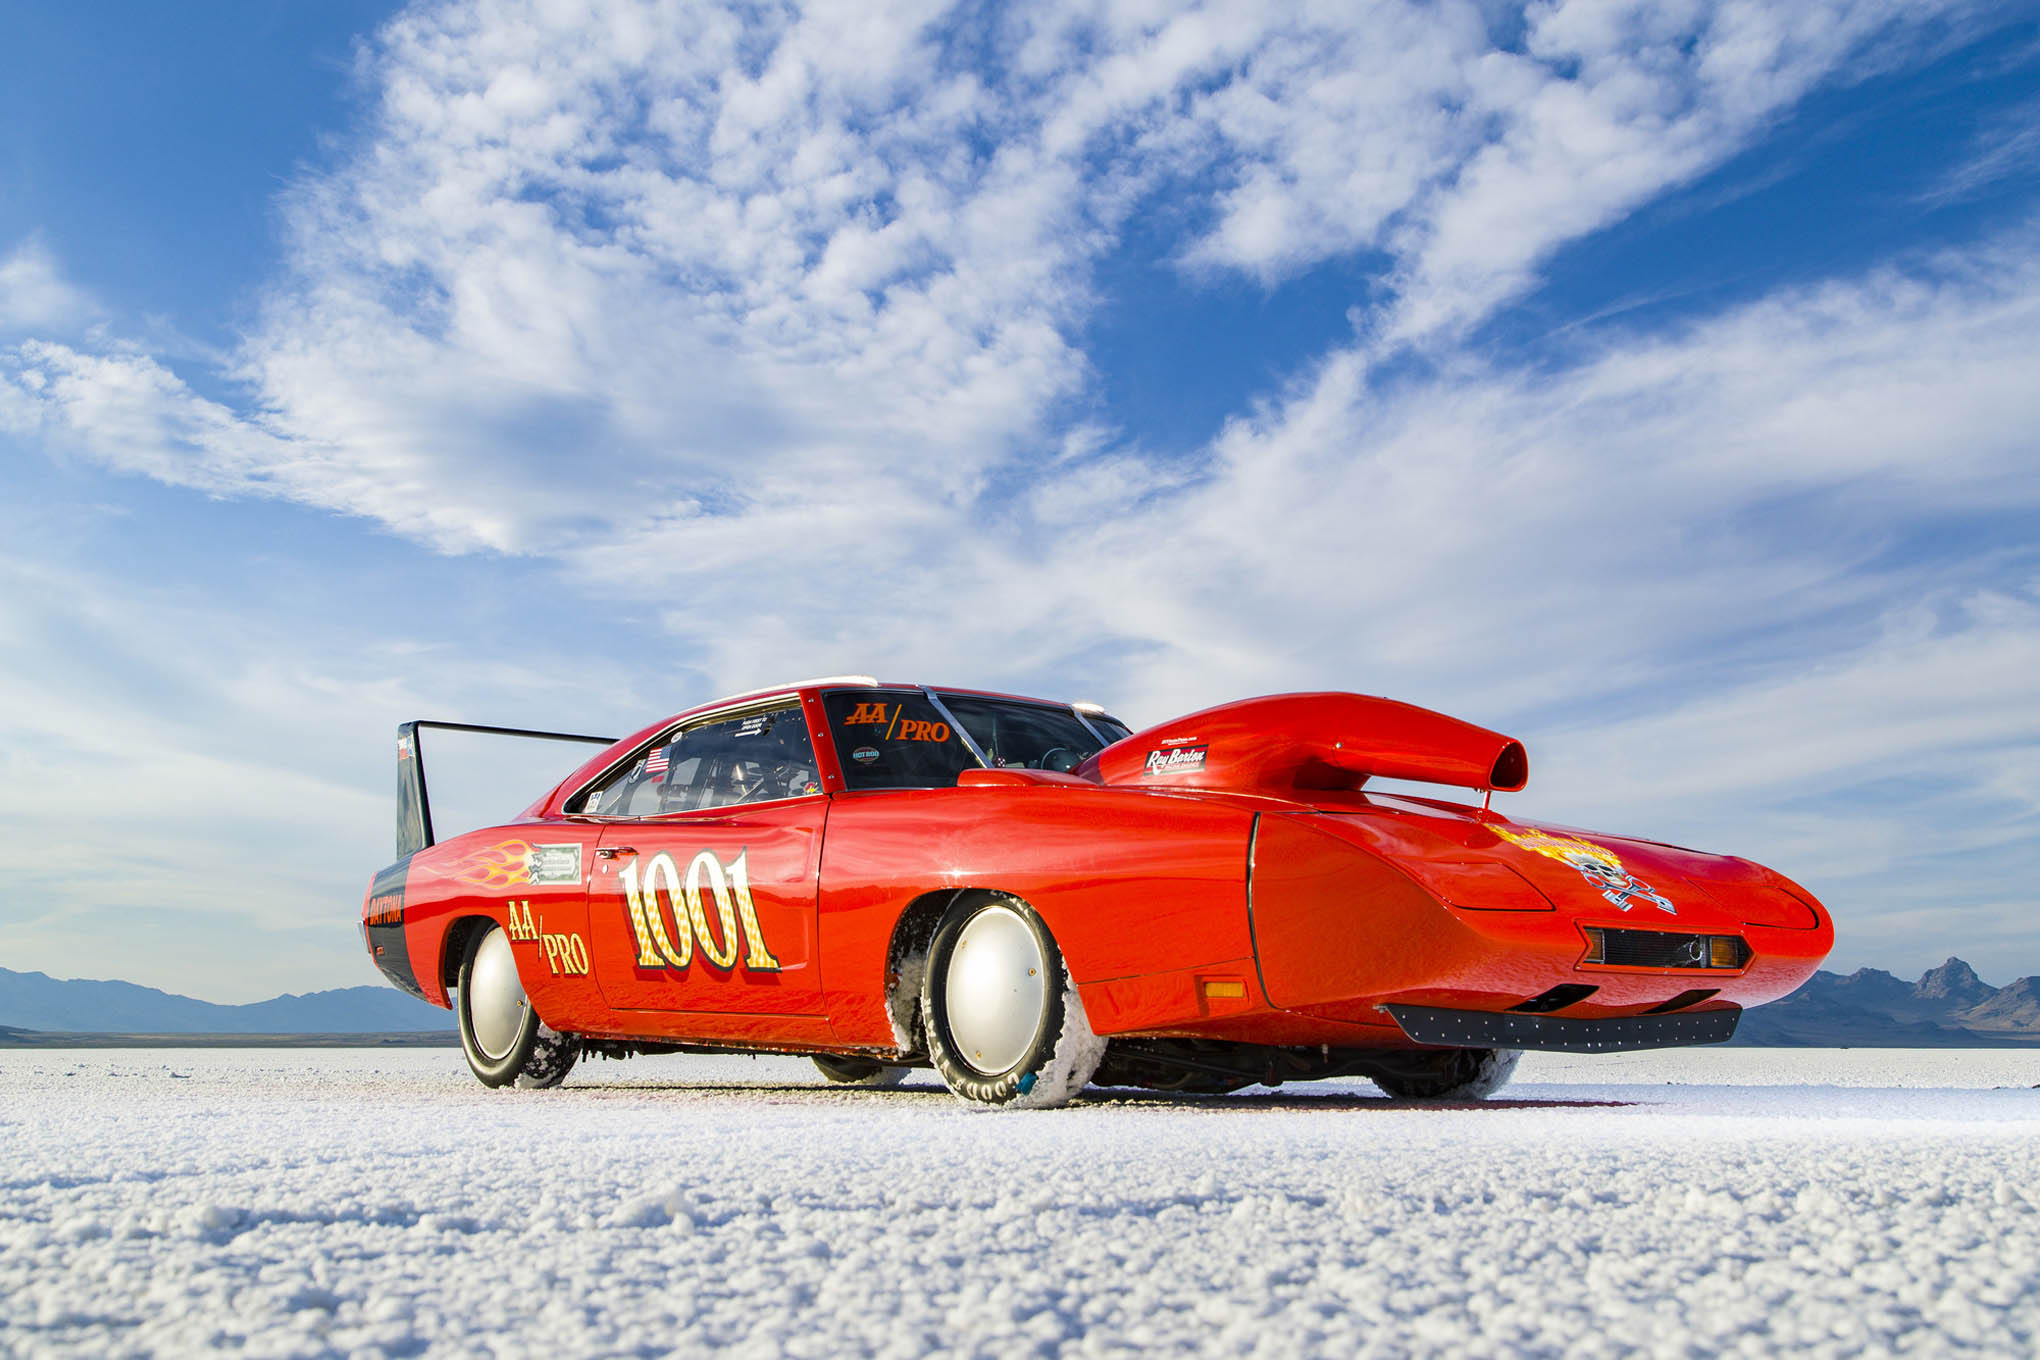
pixel 894 739
pixel 754 758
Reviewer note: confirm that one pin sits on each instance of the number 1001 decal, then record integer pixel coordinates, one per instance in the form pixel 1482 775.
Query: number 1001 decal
pixel 686 904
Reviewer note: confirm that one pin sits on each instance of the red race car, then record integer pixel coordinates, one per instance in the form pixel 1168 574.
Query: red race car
pixel 1029 898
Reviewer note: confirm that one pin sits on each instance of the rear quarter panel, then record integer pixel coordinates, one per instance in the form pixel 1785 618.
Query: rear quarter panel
pixel 481 874
pixel 1131 883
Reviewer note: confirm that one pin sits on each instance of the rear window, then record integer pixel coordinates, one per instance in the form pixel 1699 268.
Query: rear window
pixel 894 739
pixel 1026 736
pixel 1113 729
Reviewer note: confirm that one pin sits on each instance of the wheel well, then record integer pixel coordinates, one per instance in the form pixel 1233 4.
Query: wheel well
pixel 456 947
pixel 904 959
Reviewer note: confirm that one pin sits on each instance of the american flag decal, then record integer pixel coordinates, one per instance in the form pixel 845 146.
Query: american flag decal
pixel 655 763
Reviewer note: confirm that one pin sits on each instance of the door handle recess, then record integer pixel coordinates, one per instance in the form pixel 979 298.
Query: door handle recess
pixel 614 851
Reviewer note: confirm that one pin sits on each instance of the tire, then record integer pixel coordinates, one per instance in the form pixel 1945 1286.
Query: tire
pixel 1005 1026
pixel 859 1071
pixel 1455 1074
pixel 500 1031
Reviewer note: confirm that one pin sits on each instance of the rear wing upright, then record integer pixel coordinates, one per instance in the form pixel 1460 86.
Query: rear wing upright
pixel 414 803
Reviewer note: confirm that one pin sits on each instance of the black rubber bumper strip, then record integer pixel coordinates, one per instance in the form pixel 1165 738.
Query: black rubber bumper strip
pixel 1564 1034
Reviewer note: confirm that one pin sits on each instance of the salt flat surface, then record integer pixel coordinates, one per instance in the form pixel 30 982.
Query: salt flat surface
pixel 279 1202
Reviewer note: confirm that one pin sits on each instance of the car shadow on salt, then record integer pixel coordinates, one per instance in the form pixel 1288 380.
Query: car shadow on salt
pixel 916 1096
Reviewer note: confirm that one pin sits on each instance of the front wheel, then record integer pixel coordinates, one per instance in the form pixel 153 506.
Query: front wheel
pixel 500 1031
pixel 1453 1074
pixel 1005 1024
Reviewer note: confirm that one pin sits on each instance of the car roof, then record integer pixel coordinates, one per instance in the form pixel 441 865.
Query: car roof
pixel 827 682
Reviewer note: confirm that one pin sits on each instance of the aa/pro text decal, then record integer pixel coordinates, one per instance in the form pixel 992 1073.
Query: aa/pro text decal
pixel 898 726
pixel 664 895
pixel 1596 863
pixel 565 953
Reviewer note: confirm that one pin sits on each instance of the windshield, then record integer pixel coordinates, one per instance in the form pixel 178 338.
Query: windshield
pixel 1022 735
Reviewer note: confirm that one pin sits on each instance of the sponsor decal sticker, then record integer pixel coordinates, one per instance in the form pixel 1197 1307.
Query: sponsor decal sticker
pixel 1599 865
pixel 864 755
pixel 754 725
pixel 866 715
pixel 550 865
pixel 1178 760
pixel 913 729
pixel 709 906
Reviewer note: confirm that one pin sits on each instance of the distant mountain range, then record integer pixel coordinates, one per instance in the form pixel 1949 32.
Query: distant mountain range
pixel 1948 1007
pixel 36 1001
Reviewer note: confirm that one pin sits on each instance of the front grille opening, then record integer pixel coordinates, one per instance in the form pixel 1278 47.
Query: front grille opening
pixel 1557 999
pixel 1618 948
pixel 1683 1000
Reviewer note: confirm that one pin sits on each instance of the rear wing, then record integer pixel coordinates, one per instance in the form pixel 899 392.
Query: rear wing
pixel 414 804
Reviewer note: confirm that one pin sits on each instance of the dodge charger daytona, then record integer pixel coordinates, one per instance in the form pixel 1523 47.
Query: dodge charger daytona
pixel 1029 898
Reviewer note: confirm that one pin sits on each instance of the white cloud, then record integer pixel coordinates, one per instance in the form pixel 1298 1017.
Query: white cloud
pixel 206 781
pixel 35 295
pixel 2008 147
pixel 753 268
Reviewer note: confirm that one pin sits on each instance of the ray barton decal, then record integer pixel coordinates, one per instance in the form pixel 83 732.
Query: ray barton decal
pixel 1597 864
pixel 1181 760
pixel 707 882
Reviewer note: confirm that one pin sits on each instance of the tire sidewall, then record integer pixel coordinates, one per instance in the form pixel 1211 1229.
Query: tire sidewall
pixel 1015 1083
pixel 498 1071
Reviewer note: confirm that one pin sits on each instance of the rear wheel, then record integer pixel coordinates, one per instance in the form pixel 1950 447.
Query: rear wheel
pixel 859 1071
pixel 1453 1074
pixel 1005 1024
pixel 500 1032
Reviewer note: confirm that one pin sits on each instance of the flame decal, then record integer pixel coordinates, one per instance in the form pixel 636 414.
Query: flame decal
pixel 1599 865
pixel 506 864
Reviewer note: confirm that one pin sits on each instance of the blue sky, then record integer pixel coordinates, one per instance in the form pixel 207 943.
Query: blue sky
pixel 1655 383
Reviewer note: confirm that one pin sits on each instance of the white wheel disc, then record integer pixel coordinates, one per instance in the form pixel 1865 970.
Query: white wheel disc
pixel 995 991
pixel 495 1001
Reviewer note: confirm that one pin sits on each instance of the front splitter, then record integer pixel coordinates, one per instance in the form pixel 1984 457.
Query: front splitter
pixel 1562 1034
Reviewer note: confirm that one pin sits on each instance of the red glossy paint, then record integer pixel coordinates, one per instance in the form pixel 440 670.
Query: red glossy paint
pixel 1252 891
